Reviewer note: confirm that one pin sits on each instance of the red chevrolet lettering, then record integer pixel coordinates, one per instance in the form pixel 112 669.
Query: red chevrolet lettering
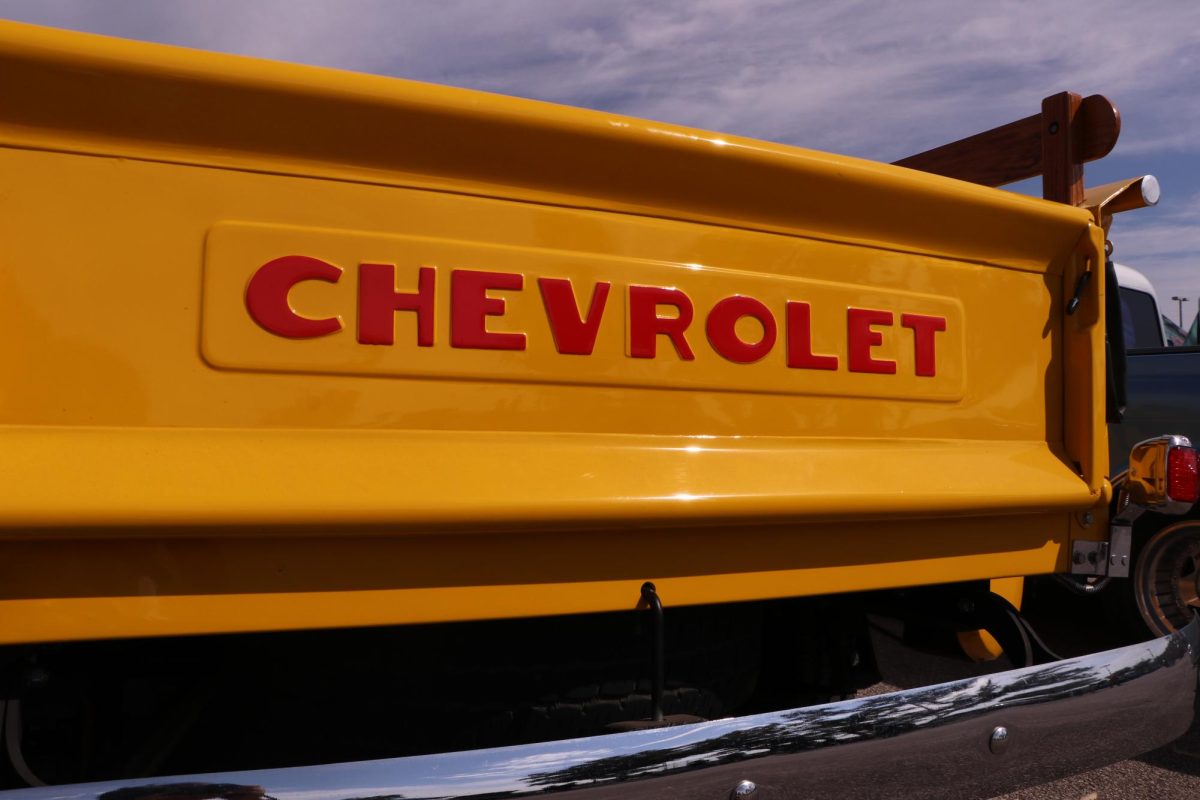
pixel 574 333
pixel 722 334
pixel 861 338
pixel 645 324
pixel 799 346
pixel 378 302
pixel 268 290
pixel 923 327
pixel 470 306
pixel 575 311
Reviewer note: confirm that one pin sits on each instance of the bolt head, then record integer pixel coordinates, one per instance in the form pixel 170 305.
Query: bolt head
pixel 36 678
pixel 999 740
pixel 1088 519
pixel 1079 558
pixel 745 789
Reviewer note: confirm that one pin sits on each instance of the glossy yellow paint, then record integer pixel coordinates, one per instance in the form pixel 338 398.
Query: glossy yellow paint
pixel 172 467
pixel 315 577
pixel 980 645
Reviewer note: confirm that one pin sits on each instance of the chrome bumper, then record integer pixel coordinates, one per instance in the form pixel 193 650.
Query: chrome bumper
pixel 936 741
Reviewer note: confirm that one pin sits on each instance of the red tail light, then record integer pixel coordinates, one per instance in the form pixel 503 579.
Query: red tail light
pixel 1183 475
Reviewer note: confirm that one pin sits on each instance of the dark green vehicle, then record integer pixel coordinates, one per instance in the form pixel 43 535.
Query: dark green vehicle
pixel 1162 393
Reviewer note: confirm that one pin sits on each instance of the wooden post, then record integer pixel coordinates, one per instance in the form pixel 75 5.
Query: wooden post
pixel 1062 166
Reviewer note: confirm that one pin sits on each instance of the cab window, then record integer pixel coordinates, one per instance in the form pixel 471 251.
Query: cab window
pixel 1139 316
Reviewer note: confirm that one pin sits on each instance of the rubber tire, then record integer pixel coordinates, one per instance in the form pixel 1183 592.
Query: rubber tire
pixel 1161 588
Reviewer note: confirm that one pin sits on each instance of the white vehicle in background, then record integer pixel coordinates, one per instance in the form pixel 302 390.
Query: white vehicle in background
pixel 1140 315
pixel 1146 327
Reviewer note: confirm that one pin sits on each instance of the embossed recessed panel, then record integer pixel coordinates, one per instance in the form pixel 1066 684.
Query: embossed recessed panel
pixel 325 301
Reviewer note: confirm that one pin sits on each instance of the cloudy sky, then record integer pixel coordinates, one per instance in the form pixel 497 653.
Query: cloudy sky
pixel 879 80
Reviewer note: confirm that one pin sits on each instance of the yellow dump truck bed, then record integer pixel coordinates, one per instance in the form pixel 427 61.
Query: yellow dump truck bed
pixel 291 347
pixel 301 357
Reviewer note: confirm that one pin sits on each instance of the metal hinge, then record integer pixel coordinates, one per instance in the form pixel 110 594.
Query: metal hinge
pixel 1109 558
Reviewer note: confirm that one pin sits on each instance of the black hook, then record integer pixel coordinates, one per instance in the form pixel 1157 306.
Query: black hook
pixel 654 603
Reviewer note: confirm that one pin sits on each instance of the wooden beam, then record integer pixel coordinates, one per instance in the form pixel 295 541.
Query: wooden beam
pixel 1002 155
pixel 1014 152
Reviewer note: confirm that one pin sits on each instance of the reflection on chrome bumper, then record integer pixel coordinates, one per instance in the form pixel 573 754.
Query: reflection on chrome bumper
pixel 936 741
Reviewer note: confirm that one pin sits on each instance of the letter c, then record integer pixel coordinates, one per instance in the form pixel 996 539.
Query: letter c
pixel 267 296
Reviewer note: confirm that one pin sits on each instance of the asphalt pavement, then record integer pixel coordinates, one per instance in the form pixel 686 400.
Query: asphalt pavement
pixel 1071 626
pixel 1075 625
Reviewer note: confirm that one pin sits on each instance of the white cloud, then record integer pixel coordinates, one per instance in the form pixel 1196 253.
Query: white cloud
pixel 876 79
pixel 871 78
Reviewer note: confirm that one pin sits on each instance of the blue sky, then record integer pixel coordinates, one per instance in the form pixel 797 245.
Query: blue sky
pixel 879 80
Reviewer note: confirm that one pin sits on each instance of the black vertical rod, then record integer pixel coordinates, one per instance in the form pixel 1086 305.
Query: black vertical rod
pixel 654 602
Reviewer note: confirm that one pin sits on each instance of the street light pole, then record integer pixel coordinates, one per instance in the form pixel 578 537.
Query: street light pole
pixel 1181 301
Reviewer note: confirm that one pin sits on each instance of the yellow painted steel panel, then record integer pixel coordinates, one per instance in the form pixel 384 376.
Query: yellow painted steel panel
pixel 409 481
pixel 173 466
pixel 89 94
pixel 91 588
pixel 116 306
